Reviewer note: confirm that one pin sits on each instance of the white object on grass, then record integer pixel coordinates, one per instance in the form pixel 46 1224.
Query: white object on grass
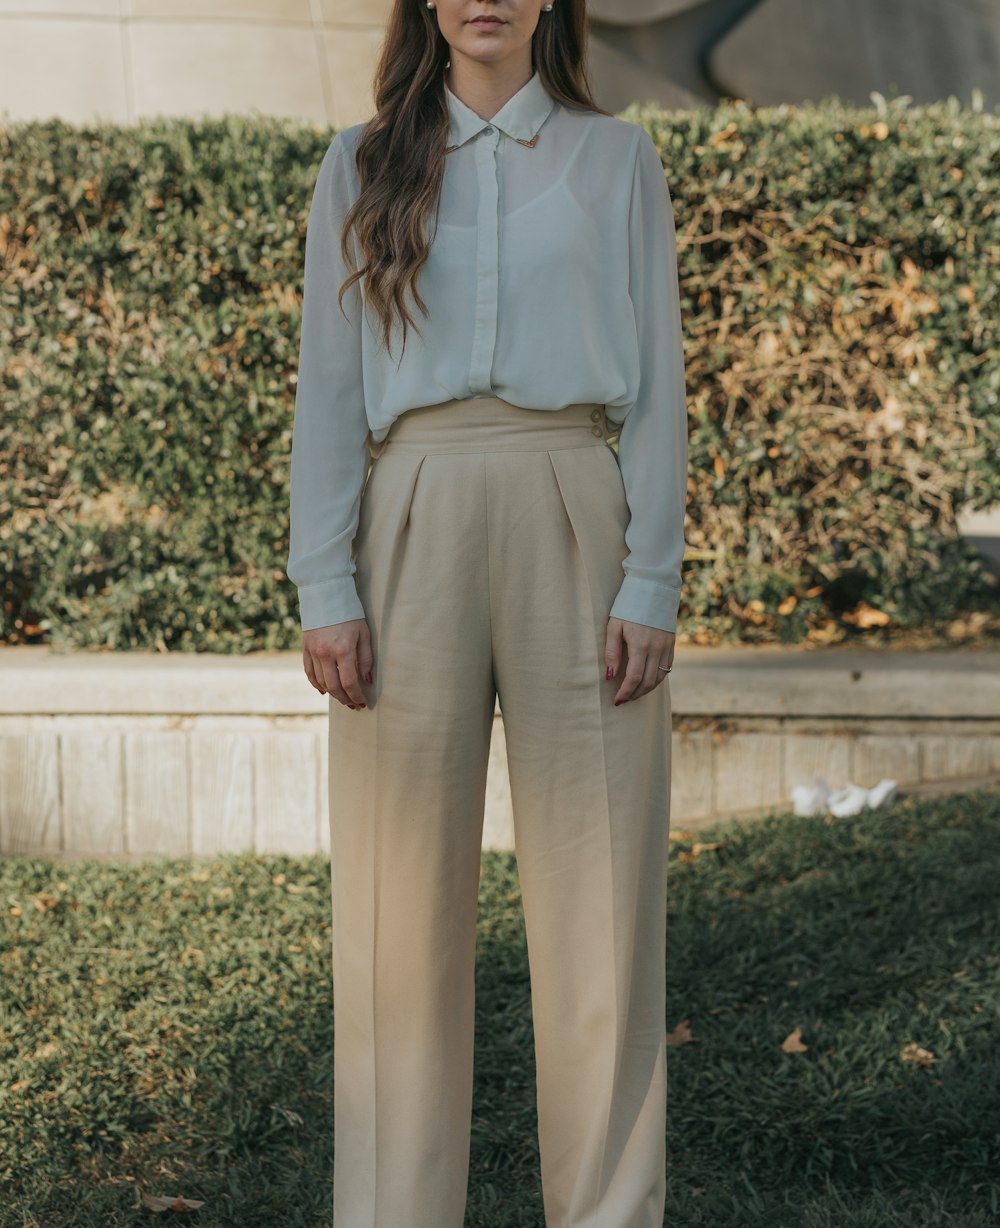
pixel 819 798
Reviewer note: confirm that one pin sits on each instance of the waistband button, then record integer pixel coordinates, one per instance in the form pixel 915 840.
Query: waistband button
pixel 596 430
pixel 595 415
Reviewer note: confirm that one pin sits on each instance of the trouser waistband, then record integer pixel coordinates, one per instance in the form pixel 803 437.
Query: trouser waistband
pixel 491 424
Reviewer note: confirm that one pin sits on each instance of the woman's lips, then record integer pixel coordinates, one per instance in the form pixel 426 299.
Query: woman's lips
pixel 488 23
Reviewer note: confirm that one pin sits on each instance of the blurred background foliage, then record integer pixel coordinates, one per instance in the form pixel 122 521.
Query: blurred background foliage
pixel 839 271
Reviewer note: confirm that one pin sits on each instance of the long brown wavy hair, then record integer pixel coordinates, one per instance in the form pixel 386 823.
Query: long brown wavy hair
pixel 401 150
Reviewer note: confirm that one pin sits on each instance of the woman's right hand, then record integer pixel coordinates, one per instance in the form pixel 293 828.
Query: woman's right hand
pixel 337 658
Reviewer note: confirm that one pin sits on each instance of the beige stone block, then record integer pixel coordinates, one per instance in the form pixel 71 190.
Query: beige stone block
pixel 355 12
pixel 747 772
pixel 956 756
pixel 319 733
pixel 808 755
pixel 690 779
pixel 323 764
pixel 71 69
pixel 157 815
pixel 286 792
pixel 275 11
pixel 876 757
pixel 29 794
pixel 92 776
pixel 38 683
pixel 349 58
pixel 50 9
pixel 221 792
pixel 210 68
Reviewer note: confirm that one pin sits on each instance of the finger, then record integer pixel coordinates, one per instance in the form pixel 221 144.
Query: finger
pixel 366 658
pixel 326 665
pixel 634 671
pixel 333 683
pixel 309 665
pixel 613 643
pixel 350 680
pixel 653 674
pixel 667 656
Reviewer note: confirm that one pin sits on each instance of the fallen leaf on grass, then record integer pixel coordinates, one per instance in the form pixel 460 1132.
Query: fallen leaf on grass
pixel 793 1042
pixel 176 1203
pixel 913 1053
pixel 681 1035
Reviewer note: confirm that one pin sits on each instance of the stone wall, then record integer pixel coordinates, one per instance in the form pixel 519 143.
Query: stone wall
pixel 121 60
pixel 134 755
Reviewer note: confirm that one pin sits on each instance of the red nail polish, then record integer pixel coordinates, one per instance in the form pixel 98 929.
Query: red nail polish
pixel 368 676
pixel 609 673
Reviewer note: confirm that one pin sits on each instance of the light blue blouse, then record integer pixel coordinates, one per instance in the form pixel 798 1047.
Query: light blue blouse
pixel 551 280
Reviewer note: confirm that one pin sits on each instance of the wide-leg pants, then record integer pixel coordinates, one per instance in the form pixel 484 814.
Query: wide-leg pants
pixel 488 552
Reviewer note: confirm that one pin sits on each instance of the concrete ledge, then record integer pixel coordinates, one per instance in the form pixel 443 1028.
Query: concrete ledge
pixel 139 755
pixel 740 681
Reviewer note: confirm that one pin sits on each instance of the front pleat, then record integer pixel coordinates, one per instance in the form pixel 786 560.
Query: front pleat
pixel 381 538
pixel 598 513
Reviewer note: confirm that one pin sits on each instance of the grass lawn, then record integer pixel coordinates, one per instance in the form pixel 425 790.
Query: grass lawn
pixel 167 1029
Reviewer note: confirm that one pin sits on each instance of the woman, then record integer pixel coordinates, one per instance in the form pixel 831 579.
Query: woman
pixel 499 550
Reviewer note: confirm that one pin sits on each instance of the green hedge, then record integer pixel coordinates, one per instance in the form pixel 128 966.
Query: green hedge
pixel 839 270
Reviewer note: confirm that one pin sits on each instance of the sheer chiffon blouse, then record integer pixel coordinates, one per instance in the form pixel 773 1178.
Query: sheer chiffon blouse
pixel 551 280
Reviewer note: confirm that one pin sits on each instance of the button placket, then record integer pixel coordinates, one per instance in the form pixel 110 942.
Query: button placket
pixel 487 263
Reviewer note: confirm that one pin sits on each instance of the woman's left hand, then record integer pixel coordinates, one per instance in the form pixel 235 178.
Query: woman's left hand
pixel 648 649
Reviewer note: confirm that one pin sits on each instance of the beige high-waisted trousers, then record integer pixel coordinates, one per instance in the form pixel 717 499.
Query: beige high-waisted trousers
pixel 488 552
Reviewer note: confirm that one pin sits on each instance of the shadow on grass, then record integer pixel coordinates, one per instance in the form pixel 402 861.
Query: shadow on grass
pixel 875 935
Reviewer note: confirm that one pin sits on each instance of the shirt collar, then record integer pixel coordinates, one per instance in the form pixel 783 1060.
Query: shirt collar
pixel 520 117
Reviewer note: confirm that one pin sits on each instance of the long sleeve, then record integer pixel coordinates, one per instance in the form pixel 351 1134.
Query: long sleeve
pixel 653 441
pixel 330 457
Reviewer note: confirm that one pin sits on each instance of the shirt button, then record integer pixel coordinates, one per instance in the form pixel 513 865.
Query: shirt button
pixel 596 430
pixel 595 415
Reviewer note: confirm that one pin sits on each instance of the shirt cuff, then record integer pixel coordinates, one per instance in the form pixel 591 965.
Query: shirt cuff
pixel 648 602
pixel 334 601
